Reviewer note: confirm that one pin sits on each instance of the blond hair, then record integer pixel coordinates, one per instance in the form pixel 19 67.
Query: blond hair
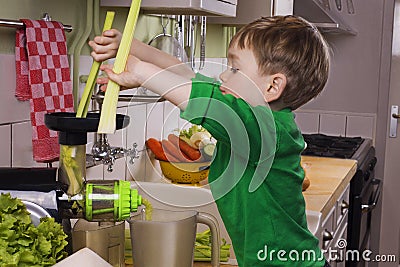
pixel 292 46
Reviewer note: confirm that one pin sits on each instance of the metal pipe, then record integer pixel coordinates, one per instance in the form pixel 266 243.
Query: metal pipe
pixel 96 21
pixel 78 48
pixel 131 98
pixel 19 24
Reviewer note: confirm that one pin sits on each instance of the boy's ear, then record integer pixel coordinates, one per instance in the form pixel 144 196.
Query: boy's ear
pixel 275 87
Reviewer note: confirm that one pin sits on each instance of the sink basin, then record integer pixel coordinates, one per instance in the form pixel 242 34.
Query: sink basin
pixel 313 221
pixel 165 195
pixel 178 197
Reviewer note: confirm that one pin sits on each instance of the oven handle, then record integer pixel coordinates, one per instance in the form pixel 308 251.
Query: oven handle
pixel 369 207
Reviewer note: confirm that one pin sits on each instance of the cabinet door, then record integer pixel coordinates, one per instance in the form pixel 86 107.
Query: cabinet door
pixel 328 230
pixel 249 10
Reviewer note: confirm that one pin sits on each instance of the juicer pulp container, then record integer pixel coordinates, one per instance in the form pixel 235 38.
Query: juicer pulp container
pixel 106 239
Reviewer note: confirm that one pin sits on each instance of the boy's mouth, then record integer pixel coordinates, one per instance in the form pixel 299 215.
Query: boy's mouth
pixel 226 91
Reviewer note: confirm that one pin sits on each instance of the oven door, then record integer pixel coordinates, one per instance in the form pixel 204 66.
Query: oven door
pixel 364 205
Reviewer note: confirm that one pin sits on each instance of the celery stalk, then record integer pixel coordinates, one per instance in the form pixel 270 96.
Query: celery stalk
pixel 90 84
pixel 107 122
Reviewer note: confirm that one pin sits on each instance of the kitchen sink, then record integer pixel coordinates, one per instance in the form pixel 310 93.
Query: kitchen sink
pixel 313 221
pixel 182 197
pixel 177 197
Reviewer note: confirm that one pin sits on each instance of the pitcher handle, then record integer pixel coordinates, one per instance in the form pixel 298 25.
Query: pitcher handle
pixel 212 223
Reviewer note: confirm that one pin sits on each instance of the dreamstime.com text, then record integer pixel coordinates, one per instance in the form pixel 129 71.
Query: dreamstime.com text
pixel 338 253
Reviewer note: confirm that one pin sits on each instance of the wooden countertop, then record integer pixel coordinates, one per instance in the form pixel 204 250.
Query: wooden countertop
pixel 328 177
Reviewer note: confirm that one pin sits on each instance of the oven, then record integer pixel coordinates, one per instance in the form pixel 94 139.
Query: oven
pixel 365 189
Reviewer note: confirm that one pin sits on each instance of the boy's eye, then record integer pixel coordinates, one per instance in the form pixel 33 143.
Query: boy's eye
pixel 234 70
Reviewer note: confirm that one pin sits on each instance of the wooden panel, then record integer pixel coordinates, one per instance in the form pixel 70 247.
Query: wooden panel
pixel 329 178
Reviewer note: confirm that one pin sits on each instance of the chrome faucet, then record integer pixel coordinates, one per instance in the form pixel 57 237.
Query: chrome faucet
pixel 103 153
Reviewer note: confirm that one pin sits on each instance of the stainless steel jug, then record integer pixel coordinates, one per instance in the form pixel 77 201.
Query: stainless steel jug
pixel 168 239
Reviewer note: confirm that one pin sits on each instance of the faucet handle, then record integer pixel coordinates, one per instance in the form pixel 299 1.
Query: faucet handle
pixel 133 153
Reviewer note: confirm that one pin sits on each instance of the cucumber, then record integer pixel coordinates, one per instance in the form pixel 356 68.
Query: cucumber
pixel 208 151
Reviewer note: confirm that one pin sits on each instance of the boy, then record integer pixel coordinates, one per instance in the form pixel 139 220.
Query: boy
pixel 276 65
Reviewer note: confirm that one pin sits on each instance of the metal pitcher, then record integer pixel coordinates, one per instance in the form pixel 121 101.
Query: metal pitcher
pixel 168 239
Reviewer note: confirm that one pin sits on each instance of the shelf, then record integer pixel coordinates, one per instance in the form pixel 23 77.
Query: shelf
pixel 181 7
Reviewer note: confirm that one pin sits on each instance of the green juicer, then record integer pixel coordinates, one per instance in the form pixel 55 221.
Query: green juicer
pixel 110 200
pixel 95 200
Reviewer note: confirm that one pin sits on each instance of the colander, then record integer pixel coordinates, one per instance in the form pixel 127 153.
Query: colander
pixel 185 172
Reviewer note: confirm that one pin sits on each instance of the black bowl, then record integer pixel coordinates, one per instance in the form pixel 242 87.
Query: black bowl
pixel 73 130
pixel 68 122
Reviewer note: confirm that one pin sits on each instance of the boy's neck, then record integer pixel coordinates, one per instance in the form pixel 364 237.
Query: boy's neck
pixel 277 105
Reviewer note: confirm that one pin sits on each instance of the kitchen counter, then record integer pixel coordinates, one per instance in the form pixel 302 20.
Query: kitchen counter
pixel 328 177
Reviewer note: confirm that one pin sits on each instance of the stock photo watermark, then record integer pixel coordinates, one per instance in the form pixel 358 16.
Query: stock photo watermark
pixel 338 253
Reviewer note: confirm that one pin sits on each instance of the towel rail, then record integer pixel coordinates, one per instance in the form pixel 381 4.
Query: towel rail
pixel 18 24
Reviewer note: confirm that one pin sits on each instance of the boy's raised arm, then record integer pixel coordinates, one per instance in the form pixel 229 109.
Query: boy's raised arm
pixel 174 87
pixel 161 59
pixel 106 47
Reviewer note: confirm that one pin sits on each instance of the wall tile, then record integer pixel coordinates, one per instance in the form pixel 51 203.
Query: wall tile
pixel 22 146
pixel 155 120
pixel 5 146
pixel 8 102
pixel 171 116
pixel 360 126
pixel 154 128
pixel 333 124
pixel 118 139
pixel 95 172
pixel 136 134
pixel 153 170
pixel 307 122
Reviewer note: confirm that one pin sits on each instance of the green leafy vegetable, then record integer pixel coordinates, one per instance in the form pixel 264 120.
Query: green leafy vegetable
pixel 191 131
pixel 21 243
pixel 202 249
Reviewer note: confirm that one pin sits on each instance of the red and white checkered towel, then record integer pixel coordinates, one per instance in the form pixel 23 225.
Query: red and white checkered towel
pixel 43 78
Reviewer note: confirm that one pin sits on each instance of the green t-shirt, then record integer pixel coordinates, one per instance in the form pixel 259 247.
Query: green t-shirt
pixel 256 178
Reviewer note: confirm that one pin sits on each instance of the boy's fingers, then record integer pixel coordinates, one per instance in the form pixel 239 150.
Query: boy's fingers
pixel 110 33
pixel 102 80
pixel 103 87
pixel 106 66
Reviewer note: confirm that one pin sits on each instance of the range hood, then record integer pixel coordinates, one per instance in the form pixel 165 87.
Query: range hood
pixel 322 15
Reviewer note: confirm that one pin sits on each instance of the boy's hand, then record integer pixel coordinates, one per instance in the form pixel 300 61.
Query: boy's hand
pixel 105 46
pixel 126 79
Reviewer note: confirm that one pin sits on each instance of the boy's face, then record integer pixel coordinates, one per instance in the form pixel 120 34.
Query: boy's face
pixel 242 78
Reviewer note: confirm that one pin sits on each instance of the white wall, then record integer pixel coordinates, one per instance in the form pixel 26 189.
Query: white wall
pixel 146 120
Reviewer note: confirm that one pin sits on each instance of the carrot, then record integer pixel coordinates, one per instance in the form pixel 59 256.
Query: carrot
pixel 175 141
pixel 192 153
pixel 173 150
pixel 155 146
